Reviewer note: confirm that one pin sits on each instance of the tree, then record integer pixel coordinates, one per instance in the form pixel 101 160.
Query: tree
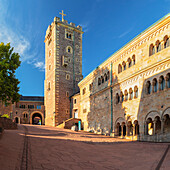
pixel 9 62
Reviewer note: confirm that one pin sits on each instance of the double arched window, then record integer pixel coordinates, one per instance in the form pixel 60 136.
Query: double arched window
pixel 104 78
pixel 124 65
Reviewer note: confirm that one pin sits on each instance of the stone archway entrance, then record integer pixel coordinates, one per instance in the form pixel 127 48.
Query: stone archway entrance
pixel 36 119
pixel 16 120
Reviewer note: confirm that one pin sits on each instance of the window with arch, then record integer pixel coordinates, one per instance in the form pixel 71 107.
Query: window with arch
pixel 148 87
pixel 119 68
pixel 105 77
pixel 133 58
pixel 166 41
pixel 49 67
pixel 158 46
pixel 129 62
pixel 84 91
pixel 108 75
pixel 124 65
pixel 136 91
pixel 155 85
pixel 68 35
pixel 117 98
pixel 126 95
pixel 130 94
pixel 162 83
pixel 102 78
pixel 49 53
pixel 99 81
pixel 25 115
pixel 49 85
pixel 69 49
pixel 121 96
pixel 151 50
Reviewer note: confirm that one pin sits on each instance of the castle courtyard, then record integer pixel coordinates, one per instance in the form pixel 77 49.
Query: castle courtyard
pixel 50 148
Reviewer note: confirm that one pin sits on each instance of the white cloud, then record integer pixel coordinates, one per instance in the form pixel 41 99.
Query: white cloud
pixel 21 44
pixel 125 33
pixel 85 26
pixel 40 65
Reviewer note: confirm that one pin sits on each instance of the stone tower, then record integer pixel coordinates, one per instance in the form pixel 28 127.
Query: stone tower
pixel 63 69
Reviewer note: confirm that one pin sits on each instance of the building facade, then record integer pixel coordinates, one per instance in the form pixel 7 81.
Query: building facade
pixel 29 110
pixel 63 61
pixel 128 95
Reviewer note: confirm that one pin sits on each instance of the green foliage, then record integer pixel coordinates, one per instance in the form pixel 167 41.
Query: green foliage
pixel 5 115
pixel 9 62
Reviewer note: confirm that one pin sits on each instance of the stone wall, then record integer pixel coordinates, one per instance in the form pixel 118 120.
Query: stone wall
pixel 7 123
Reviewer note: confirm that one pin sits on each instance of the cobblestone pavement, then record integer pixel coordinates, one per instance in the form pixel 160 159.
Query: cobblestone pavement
pixel 49 148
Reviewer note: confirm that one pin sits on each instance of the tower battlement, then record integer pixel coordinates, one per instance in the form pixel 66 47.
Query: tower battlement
pixel 64 22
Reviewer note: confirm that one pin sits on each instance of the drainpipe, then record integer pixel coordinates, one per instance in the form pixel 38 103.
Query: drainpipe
pixel 73 62
pixel 111 129
pixel 70 108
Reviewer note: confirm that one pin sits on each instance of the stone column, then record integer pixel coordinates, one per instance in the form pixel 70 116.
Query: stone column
pixel 162 125
pixel 146 128
pixel 154 127
pixel 159 85
pixel 122 130
pixel 166 81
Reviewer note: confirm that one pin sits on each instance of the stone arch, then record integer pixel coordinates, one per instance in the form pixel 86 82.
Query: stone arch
pixel 120 120
pixel 42 116
pixel 152 115
pixel 17 119
pixel 166 112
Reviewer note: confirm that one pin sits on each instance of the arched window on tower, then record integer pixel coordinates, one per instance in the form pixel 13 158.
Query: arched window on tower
pixel 49 53
pixel 49 85
pixel 119 68
pixel 166 41
pixel 162 83
pixel 151 50
pixel 158 46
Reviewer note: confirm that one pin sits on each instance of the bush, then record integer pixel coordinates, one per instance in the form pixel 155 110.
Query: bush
pixel 5 115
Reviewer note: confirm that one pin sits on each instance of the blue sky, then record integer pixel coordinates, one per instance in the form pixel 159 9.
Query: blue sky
pixel 107 24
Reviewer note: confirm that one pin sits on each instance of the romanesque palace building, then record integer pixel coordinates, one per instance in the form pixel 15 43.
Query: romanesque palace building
pixel 128 95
